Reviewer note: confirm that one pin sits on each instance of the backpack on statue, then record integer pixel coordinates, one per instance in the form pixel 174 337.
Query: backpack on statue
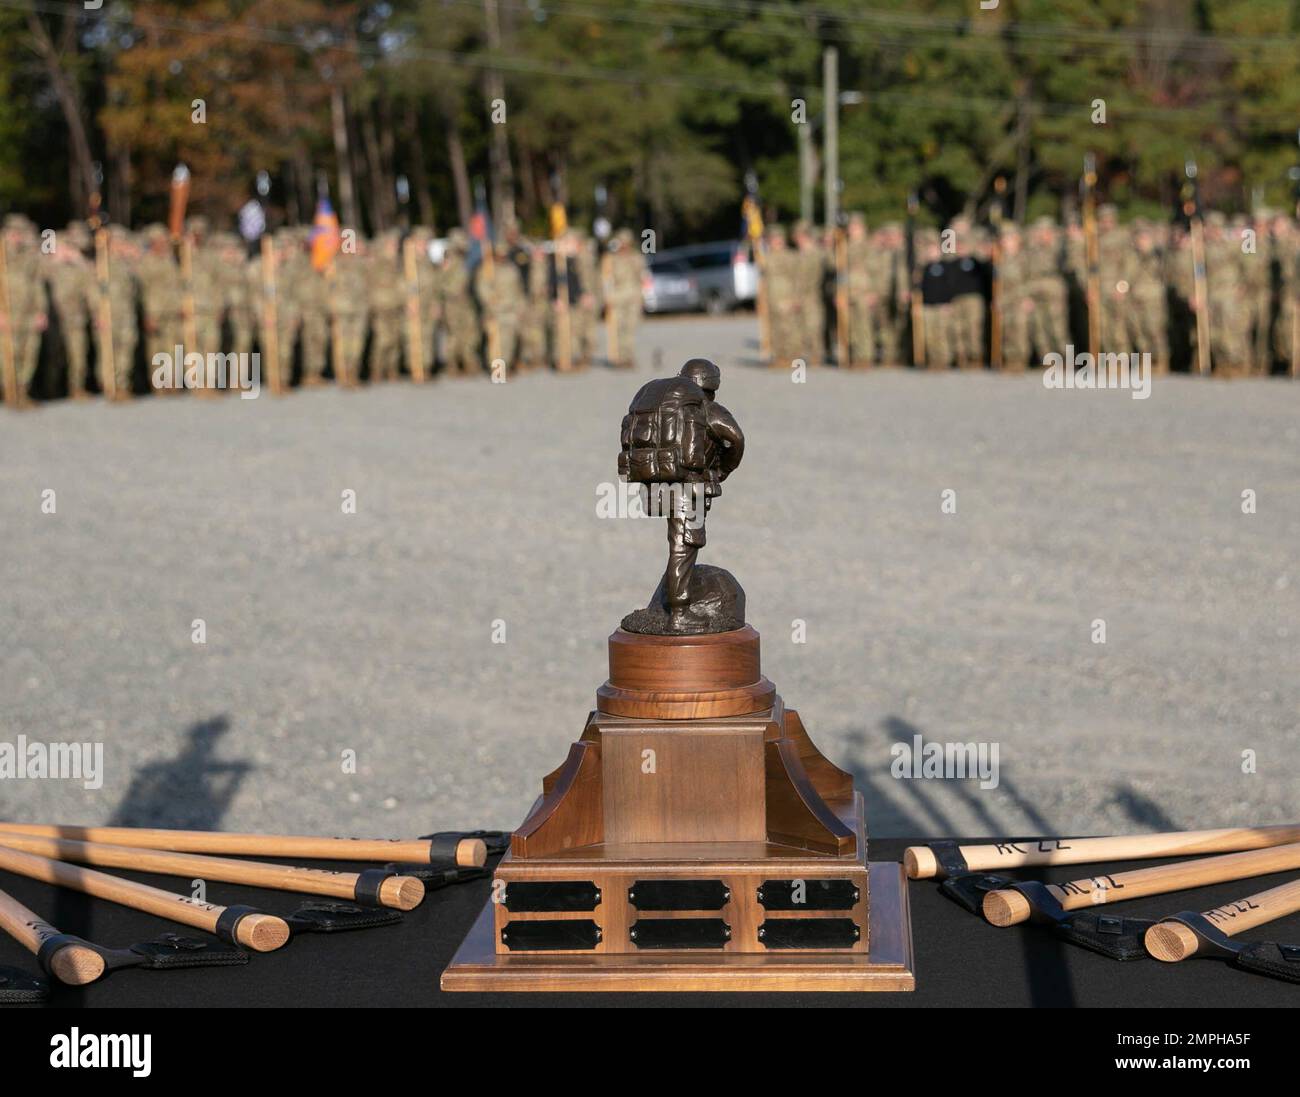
pixel 665 434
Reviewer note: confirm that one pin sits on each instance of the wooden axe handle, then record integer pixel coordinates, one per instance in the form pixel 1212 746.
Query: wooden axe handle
pixel 921 863
pixel 1008 908
pixel 402 892
pixel 1173 941
pixel 469 852
pixel 260 932
pixel 73 964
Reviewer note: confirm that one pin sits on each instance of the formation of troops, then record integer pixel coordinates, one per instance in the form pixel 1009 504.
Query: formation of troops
pixel 77 305
pixel 972 296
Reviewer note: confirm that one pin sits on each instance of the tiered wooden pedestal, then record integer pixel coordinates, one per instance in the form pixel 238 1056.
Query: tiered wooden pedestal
pixel 694 839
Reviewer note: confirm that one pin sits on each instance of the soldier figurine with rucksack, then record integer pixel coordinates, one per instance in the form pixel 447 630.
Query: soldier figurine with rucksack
pixel 681 443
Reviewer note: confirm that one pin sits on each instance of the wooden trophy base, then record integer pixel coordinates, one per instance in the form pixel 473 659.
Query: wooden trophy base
pixel 694 839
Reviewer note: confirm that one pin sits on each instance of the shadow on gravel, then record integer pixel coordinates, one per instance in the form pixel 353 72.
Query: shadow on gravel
pixel 911 808
pixel 191 792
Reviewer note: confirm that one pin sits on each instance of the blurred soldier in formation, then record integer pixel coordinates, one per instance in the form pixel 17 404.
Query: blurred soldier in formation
pixel 124 332
pixel 315 303
pixel 858 253
pixel 72 283
pixel 887 290
pixel 160 298
pixel 1286 251
pixel 461 333
pixel 292 269
pixel 1257 276
pixel 537 308
pixel 501 296
pixel 936 301
pixel 1229 312
pixel 1015 301
pixel 623 294
pixel 348 288
pixel 782 275
pixel 1048 316
pixel 29 303
pixel 1113 248
pixel 240 281
pixel 387 288
pixel 969 293
pixel 574 273
pixel 1147 309
pixel 809 292
pixel 206 287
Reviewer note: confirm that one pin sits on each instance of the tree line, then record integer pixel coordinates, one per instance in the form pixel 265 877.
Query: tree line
pixel 651 112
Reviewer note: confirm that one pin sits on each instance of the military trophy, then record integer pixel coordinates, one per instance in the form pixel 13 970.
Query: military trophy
pixel 694 838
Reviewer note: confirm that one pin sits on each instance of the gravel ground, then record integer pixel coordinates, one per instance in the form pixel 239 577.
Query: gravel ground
pixel 372 632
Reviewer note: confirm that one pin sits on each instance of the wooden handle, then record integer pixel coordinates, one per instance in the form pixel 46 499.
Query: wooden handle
pixel 260 932
pixel 470 852
pixel 1173 941
pixel 402 892
pixel 73 964
pixel 921 863
pixel 1008 907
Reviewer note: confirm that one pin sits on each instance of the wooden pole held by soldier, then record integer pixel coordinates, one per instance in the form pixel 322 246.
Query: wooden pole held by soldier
pixel 1172 941
pixel 1201 292
pixel 11 394
pixel 611 317
pixel 1008 907
pixel 255 930
pixel 270 317
pixel 414 324
pixel 841 298
pixel 189 324
pixel 104 316
pixel 490 325
pixel 1092 254
pixel 761 301
pixel 914 281
pixel 922 864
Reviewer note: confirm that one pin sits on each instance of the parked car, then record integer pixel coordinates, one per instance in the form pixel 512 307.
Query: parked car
pixel 714 277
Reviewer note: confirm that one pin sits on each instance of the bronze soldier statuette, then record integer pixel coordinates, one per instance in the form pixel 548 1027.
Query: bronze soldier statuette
pixel 679 444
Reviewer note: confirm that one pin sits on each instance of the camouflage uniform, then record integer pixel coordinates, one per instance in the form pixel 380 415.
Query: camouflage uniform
pixel 1286 249
pixel 781 272
pixel 348 298
pixel 239 281
pixel 501 295
pixel 124 330
pixel 315 298
pixel 936 316
pixel 460 319
pixel 1049 312
pixel 387 310
pixel 159 279
pixel 1147 312
pixel 623 294
pixel 72 278
pixel 1229 315
pixel 1014 302
pixel 537 308
pixel 29 301
pixel 1112 247
pixel 857 260
pixel 888 289
pixel 291 270
pixel 809 290
pixel 206 288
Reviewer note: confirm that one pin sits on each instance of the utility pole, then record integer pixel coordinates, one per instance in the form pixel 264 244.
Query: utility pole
pixel 831 134
pixel 503 182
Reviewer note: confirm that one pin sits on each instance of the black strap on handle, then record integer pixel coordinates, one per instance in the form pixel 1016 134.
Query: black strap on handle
pixel 171 950
pixel 948 854
pixel 1263 957
pixel 442 846
pixel 368 884
pixel 968 889
pixel 229 921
